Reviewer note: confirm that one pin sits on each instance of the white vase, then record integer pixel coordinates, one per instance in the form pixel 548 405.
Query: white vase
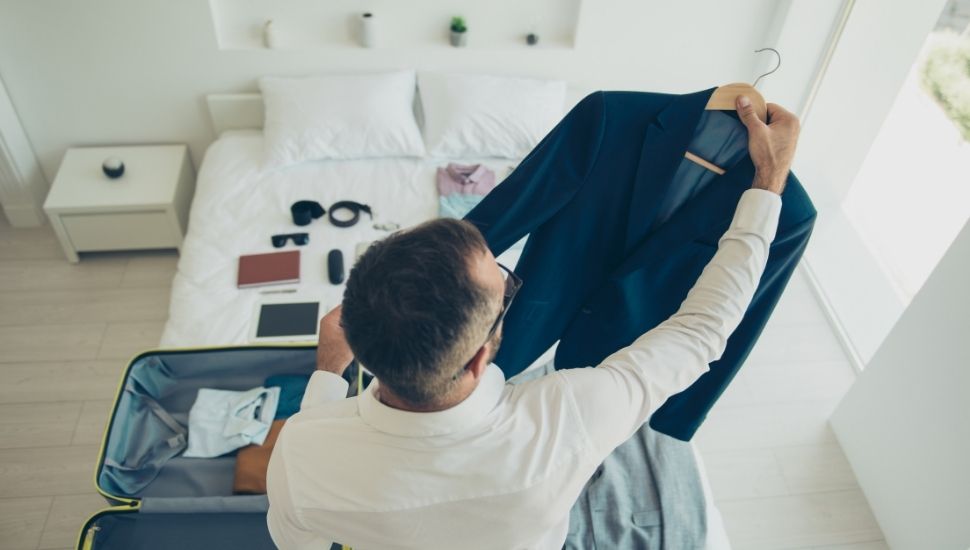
pixel 270 35
pixel 368 32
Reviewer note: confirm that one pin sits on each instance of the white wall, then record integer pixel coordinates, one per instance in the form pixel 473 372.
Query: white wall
pixel 905 424
pixel 22 183
pixel 123 71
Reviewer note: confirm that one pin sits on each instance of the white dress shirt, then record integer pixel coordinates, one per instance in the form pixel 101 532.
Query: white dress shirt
pixel 501 469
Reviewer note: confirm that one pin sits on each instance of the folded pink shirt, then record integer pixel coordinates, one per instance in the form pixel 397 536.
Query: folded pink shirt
pixel 472 179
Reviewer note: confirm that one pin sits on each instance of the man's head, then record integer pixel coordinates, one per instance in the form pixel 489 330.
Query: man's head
pixel 418 308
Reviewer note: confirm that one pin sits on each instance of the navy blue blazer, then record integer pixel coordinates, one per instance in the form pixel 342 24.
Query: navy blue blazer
pixel 616 240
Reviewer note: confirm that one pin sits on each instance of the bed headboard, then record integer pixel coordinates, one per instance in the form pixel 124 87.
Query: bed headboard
pixel 245 111
pixel 235 111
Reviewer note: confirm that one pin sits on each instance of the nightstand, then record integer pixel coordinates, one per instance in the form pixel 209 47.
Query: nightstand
pixel 147 207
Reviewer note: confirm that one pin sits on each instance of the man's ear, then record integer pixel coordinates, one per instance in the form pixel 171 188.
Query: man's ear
pixel 479 362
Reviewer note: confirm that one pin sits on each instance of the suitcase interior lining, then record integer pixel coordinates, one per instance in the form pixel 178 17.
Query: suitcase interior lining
pixel 173 380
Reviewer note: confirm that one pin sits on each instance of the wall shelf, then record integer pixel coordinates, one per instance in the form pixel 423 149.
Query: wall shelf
pixel 301 25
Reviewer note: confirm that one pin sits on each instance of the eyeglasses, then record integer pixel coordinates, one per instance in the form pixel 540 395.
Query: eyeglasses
pixel 299 239
pixel 512 285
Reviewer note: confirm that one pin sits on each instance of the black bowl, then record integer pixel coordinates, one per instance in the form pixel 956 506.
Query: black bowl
pixel 113 168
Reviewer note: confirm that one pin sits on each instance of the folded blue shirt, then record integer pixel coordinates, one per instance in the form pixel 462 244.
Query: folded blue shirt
pixel 457 205
pixel 292 387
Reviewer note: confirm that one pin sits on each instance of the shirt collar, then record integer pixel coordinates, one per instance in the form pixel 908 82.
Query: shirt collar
pixel 478 173
pixel 423 424
pixel 472 173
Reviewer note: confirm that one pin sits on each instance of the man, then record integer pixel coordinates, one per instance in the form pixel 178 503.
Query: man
pixel 439 452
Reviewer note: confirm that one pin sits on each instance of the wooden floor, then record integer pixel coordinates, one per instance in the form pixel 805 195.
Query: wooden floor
pixel 778 475
pixel 66 331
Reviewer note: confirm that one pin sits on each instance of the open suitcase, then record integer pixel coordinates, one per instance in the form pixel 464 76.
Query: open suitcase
pixel 188 503
pixel 160 499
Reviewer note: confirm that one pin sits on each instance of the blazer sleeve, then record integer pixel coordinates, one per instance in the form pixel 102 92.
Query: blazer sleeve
pixel 545 180
pixel 683 413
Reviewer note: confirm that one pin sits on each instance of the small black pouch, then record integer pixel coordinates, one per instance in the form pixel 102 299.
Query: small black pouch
pixel 335 266
pixel 305 212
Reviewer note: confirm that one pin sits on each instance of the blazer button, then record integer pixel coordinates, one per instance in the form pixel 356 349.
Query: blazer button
pixel 586 310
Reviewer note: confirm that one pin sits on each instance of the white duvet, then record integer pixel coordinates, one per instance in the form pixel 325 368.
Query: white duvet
pixel 237 207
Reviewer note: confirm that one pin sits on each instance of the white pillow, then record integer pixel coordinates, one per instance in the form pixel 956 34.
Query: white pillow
pixel 339 117
pixel 469 115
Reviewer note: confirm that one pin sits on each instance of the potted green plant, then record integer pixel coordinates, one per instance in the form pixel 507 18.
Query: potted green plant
pixel 459 36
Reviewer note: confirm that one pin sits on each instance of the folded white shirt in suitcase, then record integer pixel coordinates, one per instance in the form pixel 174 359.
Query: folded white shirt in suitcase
pixel 222 421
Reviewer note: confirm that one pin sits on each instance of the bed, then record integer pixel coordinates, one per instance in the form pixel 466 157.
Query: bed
pixel 237 206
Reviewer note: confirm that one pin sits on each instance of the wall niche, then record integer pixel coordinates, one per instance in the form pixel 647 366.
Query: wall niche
pixel 416 24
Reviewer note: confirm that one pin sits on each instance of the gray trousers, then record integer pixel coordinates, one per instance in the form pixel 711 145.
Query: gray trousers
pixel 647 494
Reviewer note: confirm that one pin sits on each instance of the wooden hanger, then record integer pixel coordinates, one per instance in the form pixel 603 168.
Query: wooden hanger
pixel 723 99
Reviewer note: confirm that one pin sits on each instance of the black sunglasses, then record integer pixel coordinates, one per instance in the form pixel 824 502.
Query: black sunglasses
pixel 299 239
pixel 512 285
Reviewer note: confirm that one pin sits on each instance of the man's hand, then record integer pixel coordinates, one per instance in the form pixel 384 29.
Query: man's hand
pixel 771 145
pixel 333 353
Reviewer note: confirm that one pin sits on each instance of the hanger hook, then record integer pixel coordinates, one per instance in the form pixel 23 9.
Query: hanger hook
pixel 777 65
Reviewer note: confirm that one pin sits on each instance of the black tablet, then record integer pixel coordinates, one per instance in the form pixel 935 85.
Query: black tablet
pixel 288 320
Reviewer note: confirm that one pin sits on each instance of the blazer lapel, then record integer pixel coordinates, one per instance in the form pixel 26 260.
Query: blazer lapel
pixel 708 214
pixel 665 141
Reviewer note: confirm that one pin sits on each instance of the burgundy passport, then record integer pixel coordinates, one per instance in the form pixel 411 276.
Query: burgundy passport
pixel 273 268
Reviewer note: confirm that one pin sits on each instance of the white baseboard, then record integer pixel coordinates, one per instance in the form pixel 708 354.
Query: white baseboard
pixel 24 215
pixel 833 318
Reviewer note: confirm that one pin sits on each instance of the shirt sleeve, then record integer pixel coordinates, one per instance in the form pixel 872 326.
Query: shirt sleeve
pixel 323 387
pixel 282 517
pixel 284 526
pixel 615 398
